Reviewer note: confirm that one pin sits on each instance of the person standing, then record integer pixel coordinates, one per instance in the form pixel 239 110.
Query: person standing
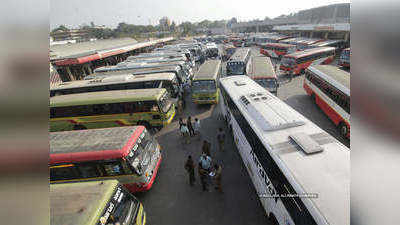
pixel 205 162
pixel 221 139
pixel 197 126
pixel 190 126
pixel 217 177
pixel 203 177
pixel 185 133
pixel 206 148
pixel 189 166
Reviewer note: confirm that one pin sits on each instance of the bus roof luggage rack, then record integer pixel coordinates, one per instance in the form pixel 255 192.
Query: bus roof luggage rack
pixel 269 113
pixel 306 143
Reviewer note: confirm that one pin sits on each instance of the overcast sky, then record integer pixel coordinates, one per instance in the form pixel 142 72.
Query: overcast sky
pixel 144 12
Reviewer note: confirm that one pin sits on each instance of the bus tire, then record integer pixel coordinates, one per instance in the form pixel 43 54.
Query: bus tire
pixel 145 124
pixel 273 219
pixel 343 129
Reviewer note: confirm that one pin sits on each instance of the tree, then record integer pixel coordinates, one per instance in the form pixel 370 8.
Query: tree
pixel 92 24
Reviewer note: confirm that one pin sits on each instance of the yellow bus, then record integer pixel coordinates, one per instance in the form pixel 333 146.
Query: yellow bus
pixel 205 83
pixel 94 203
pixel 148 107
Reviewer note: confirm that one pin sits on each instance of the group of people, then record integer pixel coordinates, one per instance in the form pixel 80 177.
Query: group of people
pixel 189 129
pixel 207 172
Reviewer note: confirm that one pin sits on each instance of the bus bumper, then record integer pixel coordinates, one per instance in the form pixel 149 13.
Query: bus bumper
pixel 200 102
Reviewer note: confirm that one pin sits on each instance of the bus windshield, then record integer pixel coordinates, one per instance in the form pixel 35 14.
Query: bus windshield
pixel 204 86
pixel 269 84
pixel 165 103
pixel 235 68
pixel 286 61
pixel 125 209
pixel 140 156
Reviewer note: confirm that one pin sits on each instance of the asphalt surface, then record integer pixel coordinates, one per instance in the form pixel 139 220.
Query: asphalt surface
pixel 172 200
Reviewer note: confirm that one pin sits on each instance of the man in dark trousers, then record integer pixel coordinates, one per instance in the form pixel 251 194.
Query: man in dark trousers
pixel 203 174
pixel 189 166
pixel 190 126
pixel 217 177
pixel 206 148
pixel 221 139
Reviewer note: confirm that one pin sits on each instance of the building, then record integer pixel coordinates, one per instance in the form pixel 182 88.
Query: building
pixel 77 60
pixel 165 23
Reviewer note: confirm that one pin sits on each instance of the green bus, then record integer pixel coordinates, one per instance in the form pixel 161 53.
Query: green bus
pixel 148 107
pixel 168 81
pixel 93 203
pixel 205 83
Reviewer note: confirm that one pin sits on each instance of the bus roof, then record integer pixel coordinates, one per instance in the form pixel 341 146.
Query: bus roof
pixel 278 45
pixel 92 144
pixel 326 43
pixel 103 97
pixel 134 65
pixel 209 70
pixel 309 52
pixel 326 173
pixel 117 79
pixel 239 55
pixel 80 203
pixel 334 75
pixel 262 68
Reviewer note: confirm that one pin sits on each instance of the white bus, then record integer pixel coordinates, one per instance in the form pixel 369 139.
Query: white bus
pixel 300 172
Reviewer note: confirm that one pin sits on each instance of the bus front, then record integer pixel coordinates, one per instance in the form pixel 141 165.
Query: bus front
pixel 288 64
pixel 344 59
pixel 270 84
pixel 204 92
pixel 235 68
pixel 166 109
pixel 144 159
pixel 123 208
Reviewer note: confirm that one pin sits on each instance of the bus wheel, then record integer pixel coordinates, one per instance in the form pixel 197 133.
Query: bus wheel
pixel 273 219
pixel 145 123
pixel 344 130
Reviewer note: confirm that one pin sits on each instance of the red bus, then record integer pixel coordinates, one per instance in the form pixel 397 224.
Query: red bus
pixel 263 73
pixel 298 62
pixel 129 154
pixel 344 59
pixel 276 50
pixel 329 88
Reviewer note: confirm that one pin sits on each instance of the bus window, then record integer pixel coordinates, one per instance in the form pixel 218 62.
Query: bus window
pixel 113 168
pixel 88 170
pixel 63 173
pixel 204 86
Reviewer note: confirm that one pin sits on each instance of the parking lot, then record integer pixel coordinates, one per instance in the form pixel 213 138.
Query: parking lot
pixel 173 201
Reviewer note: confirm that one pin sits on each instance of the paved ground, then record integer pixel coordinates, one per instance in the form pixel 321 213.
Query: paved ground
pixel 173 201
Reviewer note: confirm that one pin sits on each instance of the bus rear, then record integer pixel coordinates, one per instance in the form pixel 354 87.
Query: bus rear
pixel 129 154
pixel 93 203
pixel 205 83
pixel 264 74
pixel 296 63
pixel 344 59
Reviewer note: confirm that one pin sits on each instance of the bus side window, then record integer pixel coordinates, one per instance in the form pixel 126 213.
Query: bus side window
pixel 63 173
pixel 88 170
pixel 113 168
